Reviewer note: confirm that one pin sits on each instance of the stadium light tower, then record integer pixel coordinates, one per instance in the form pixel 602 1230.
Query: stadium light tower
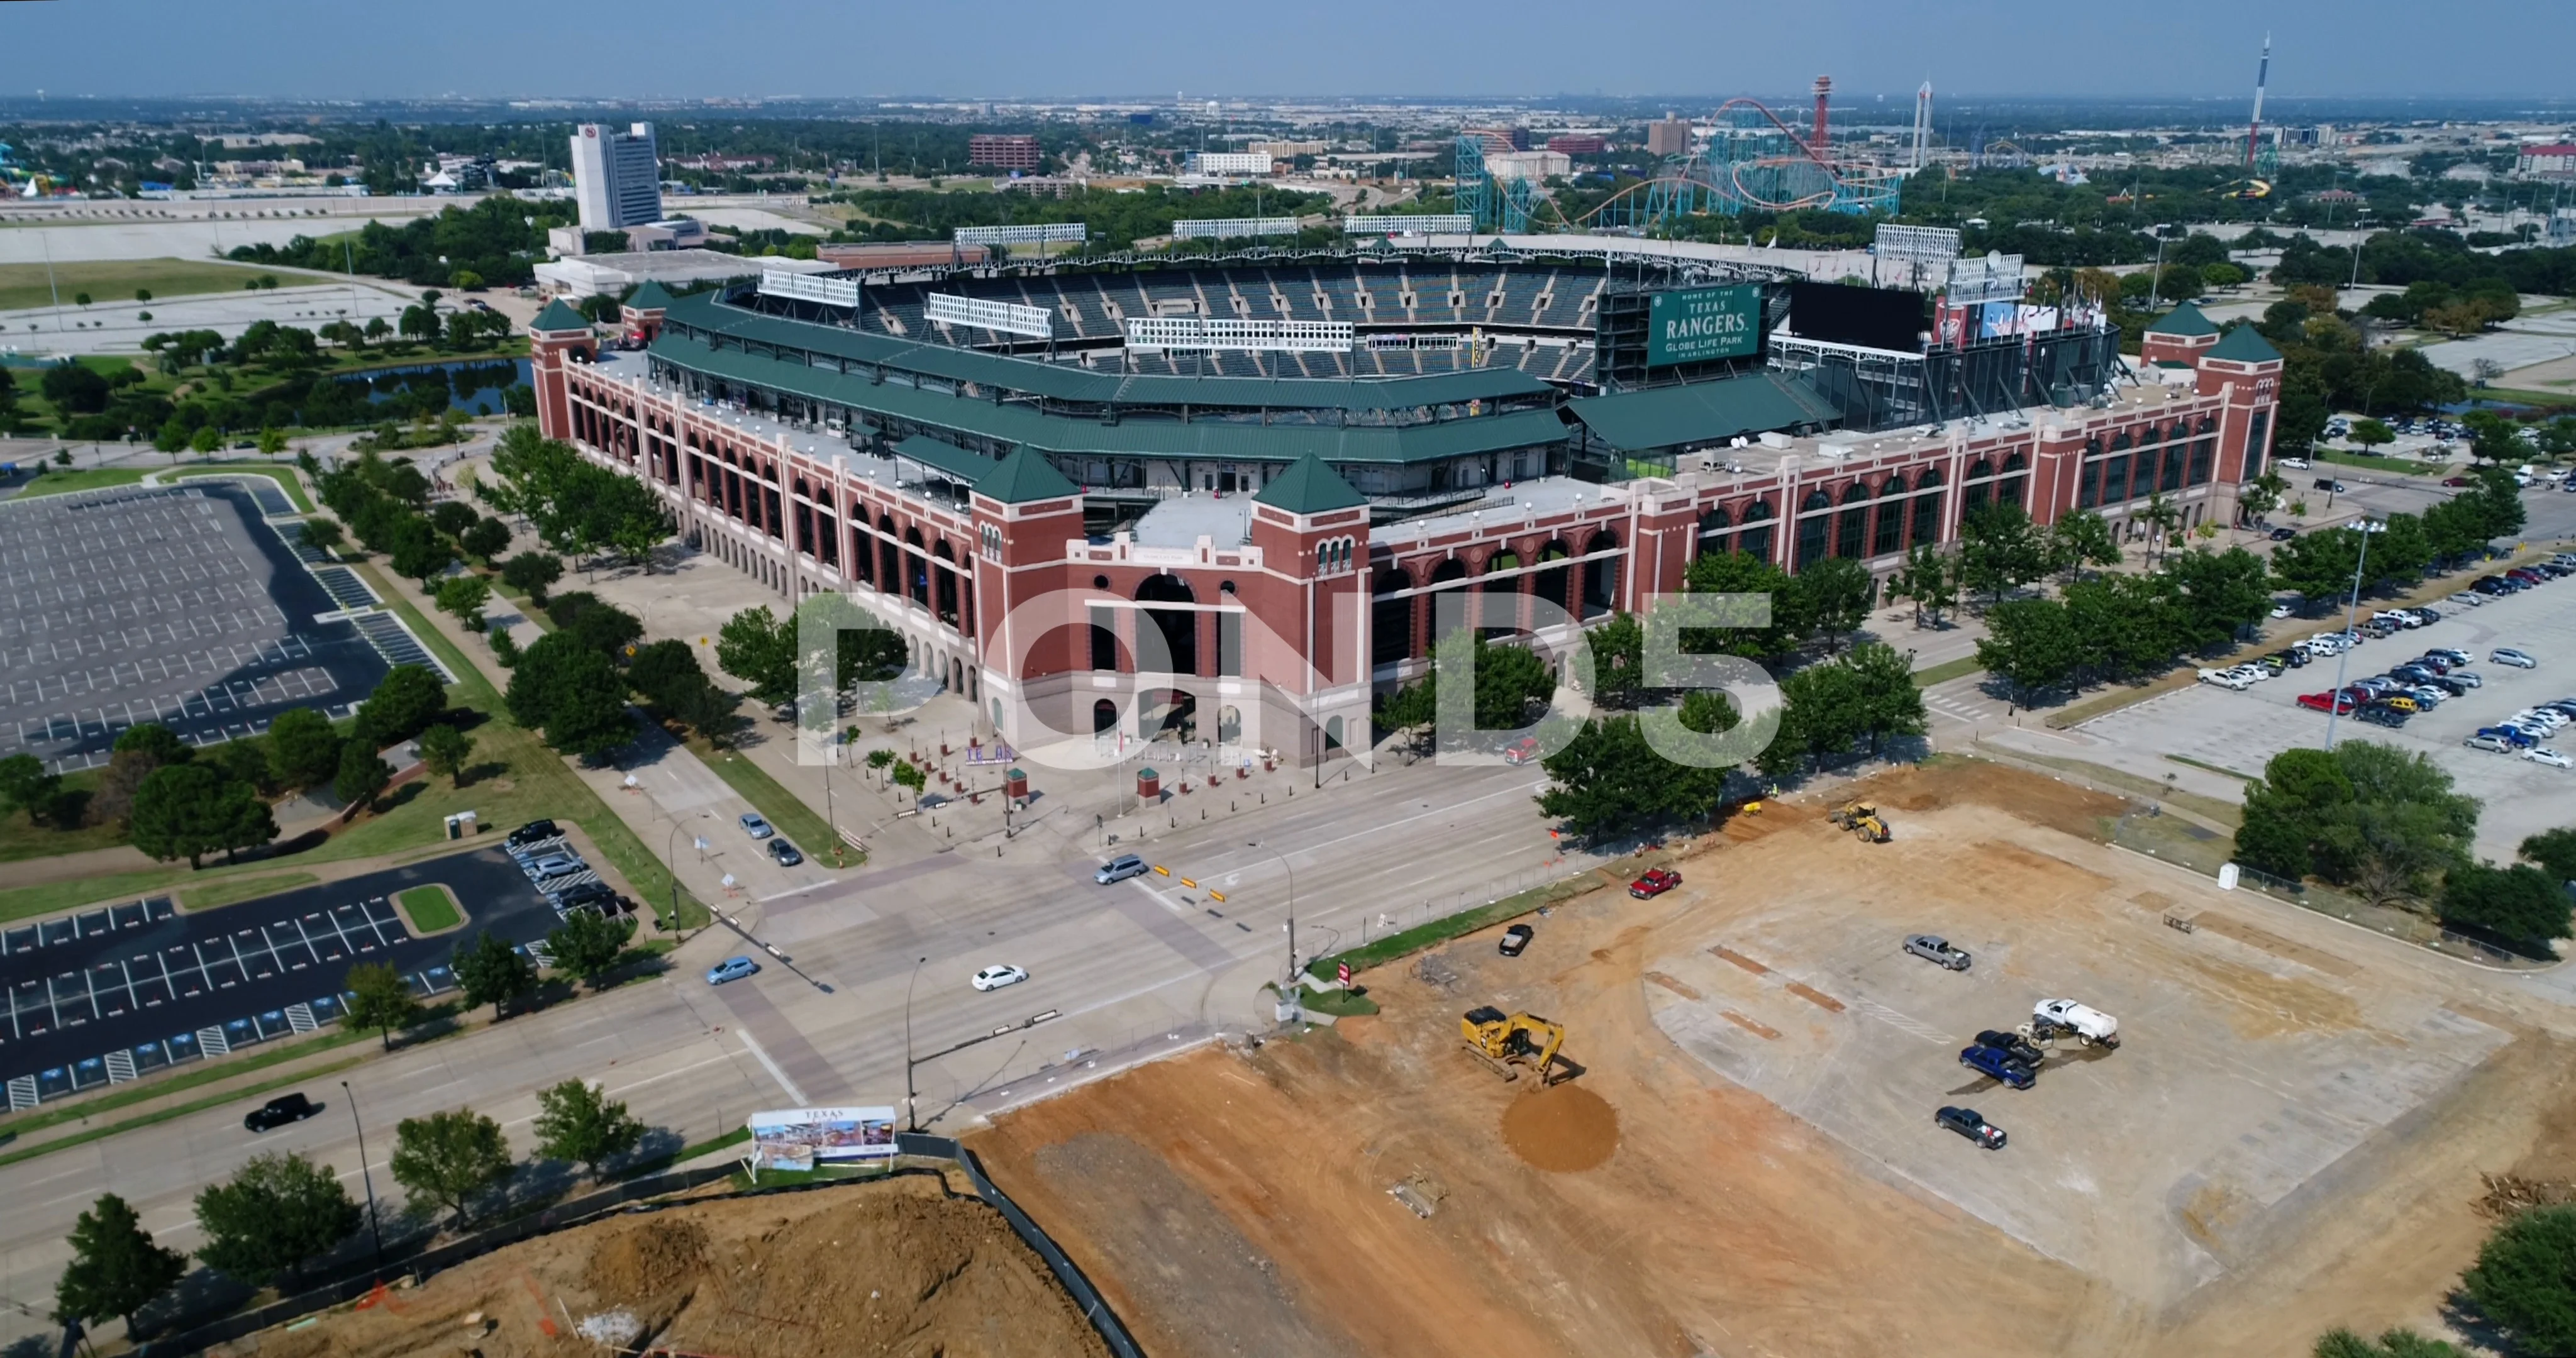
pixel 2262 77
pixel 1923 125
pixel 1824 103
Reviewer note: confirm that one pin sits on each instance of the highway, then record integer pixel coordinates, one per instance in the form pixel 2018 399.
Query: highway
pixel 1146 965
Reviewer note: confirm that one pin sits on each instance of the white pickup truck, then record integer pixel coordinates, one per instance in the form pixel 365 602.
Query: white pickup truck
pixel 2227 678
pixel 2089 1026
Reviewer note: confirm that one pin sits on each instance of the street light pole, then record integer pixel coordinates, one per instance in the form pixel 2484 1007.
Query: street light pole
pixel 1286 867
pixel 2155 288
pixel 911 1099
pixel 366 1176
pixel 2334 701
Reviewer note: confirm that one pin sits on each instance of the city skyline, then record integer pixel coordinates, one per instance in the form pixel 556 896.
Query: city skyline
pixel 2194 49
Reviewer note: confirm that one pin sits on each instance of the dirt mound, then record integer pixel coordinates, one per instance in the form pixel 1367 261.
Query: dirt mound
pixel 662 1254
pixel 1561 1129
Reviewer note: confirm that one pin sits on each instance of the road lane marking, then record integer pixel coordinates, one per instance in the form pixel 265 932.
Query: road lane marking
pixel 753 1046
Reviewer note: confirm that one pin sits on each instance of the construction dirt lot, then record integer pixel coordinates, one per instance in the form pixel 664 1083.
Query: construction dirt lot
pixel 2289 1138
pixel 898 1268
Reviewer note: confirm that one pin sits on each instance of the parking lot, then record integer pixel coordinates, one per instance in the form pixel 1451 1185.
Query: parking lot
pixel 2251 1069
pixel 176 605
pixel 111 993
pixel 2241 731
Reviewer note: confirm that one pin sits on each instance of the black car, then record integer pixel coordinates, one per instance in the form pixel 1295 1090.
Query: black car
pixel 280 1111
pixel 534 832
pixel 2013 1045
pixel 587 896
pixel 2327 483
pixel 2381 714
pixel 1516 939
pixel 2284 534
pixel 1968 1123
pixel 785 853
pixel 2294 659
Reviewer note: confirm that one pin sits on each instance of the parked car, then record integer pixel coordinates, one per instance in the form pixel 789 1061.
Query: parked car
pixel 2542 754
pixel 1516 940
pixel 1655 882
pixel 2284 534
pixel 1936 949
pixel 2489 743
pixel 731 969
pixel 551 865
pixel 1521 751
pixel 2090 1026
pixel 279 1111
pixel 2227 679
pixel 533 833
pixel 2326 702
pixel 1119 869
pixel 1969 1123
pixel 2293 659
pixel 2381 714
pixel 2469 599
pixel 2520 740
pixel 2296 464
pixel 757 827
pixel 1997 1065
pixel 2328 484
pixel 2506 655
pixel 2467 678
pixel 996 977
pixel 786 853
pixel 2013 1045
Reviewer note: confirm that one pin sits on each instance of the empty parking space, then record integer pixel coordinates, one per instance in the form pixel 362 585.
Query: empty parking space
pixel 113 992
pixel 179 605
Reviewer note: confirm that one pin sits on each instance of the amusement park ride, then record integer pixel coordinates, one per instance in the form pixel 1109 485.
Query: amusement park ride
pixel 1752 160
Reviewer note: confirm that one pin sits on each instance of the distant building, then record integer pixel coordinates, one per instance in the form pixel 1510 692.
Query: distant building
pixel 1004 151
pixel 1228 163
pixel 587 275
pixel 1578 145
pixel 1499 141
pixel 2555 159
pixel 1668 136
pixel 1532 165
pixel 913 254
pixel 616 176
pixel 1286 150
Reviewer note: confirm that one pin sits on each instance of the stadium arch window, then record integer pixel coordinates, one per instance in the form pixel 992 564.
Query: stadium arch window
pixel 1177 628
pixel 1505 560
pixel 1851 530
pixel 1813 514
pixel 1891 518
pixel 1713 527
pixel 1601 574
pixel 1980 484
pixel 1927 506
pixel 1755 540
pixel 2016 474
pixel 1391 617
pixel 946 579
pixel 1104 639
pixel 2203 453
pixel 2115 479
pixel 1555 575
pixel 917 564
pixel 2170 477
pixel 2088 485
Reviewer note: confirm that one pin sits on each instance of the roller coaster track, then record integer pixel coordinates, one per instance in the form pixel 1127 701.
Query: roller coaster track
pixel 1838 174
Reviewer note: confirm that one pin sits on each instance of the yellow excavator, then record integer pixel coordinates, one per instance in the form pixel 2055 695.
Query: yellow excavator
pixel 1503 1041
pixel 1861 819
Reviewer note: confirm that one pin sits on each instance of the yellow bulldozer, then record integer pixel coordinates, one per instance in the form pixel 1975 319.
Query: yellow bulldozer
pixel 1503 1041
pixel 1862 819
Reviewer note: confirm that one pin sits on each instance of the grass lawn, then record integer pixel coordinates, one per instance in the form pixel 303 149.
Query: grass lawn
pixel 1338 1003
pixel 235 889
pixel 517 779
pixel 21 838
pixel 58 482
pixel 788 812
pixel 2376 463
pixel 1946 671
pixel 111 282
pixel 430 908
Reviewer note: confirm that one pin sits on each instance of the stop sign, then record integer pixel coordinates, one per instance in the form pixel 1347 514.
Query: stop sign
pixel 1344 970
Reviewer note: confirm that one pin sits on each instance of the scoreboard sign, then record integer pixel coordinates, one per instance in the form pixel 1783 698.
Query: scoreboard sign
pixel 1698 324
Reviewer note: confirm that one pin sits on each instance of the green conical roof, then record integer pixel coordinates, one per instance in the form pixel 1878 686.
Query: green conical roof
pixel 1024 477
pixel 2186 320
pixel 2244 344
pixel 558 316
pixel 650 297
pixel 1310 487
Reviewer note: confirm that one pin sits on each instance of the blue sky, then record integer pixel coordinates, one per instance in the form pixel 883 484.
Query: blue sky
pixel 1000 48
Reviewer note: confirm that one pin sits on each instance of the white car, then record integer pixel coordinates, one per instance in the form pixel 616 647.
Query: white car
pixel 2296 464
pixel 2470 599
pixel 2552 720
pixel 2280 610
pixel 994 978
pixel 2506 655
pixel 2227 679
pixel 2542 754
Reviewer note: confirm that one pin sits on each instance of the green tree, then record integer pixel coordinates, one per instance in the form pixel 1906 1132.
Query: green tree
pixel 380 998
pixel 1833 597
pixel 1608 781
pixel 2082 538
pixel 115 1268
pixel 532 573
pixel 450 1159
pixel 2318 565
pixel 2032 645
pixel 2218 594
pixel 2301 791
pixel 2403 827
pixel 464 596
pixel 155 742
pixel 486 540
pixel 362 777
pixel 492 972
pixel 1883 692
pixel 2371 434
pixel 416 551
pixel 2341 1343
pixel 2554 851
pixel 444 749
pixel 1749 576
pixel 587 944
pixel 2525 1280
pixel 405 703
pixel 1930 579
pixel 1618 661
pixel 303 749
pixel 759 648
pixel 206 440
pixel 191 810
pixel 26 786
pixel 2520 906
pixel 277 1211
pixel 322 533
pixel 578 1123
pixel 573 695
pixel 2000 549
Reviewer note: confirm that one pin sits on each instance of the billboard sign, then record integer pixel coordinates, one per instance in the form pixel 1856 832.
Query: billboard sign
pixel 796 1138
pixel 1698 324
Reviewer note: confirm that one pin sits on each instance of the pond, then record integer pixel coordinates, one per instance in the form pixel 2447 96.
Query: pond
pixel 468 386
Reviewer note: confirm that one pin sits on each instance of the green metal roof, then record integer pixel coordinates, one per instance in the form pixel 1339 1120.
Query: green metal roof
pixel 1024 477
pixel 1066 383
pixel 2244 344
pixel 2185 320
pixel 1310 487
pixel 559 317
pixel 652 296
pixel 1019 423
pixel 947 458
pixel 1701 412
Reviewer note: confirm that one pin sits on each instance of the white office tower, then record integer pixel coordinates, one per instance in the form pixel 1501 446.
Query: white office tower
pixel 616 177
